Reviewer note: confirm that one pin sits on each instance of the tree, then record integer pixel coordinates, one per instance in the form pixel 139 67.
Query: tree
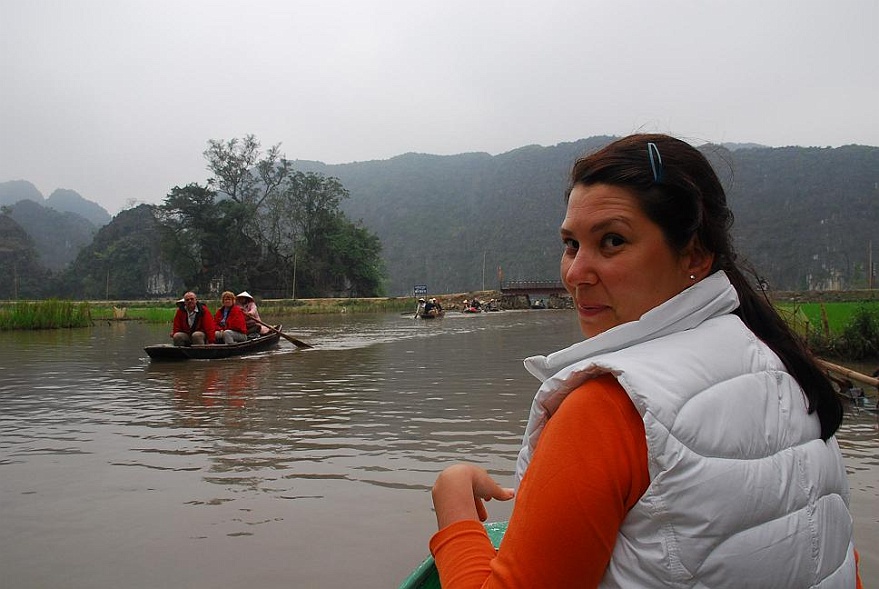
pixel 258 223
pixel 355 260
pixel 191 224
pixel 242 174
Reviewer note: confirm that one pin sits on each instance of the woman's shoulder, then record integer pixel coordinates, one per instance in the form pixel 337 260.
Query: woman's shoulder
pixel 599 395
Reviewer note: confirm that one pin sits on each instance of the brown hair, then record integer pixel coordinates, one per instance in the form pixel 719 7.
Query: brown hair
pixel 678 190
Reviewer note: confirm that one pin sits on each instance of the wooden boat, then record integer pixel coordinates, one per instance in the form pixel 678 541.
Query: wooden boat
pixel 425 576
pixel 214 351
pixel 432 314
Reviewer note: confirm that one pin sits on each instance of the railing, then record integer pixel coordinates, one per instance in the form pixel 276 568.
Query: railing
pixel 532 286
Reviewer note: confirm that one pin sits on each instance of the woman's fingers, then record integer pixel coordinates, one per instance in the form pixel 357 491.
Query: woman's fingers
pixel 460 492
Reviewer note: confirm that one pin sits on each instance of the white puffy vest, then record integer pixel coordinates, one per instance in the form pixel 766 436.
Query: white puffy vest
pixel 743 492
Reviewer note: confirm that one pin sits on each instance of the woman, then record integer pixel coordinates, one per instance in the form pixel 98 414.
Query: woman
pixel 230 321
pixel 251 314
pixel 688 441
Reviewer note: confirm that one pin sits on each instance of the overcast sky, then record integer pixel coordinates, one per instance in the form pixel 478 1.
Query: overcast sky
pixel 117 99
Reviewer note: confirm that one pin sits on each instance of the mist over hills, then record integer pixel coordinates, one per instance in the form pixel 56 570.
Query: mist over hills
pixel 61 199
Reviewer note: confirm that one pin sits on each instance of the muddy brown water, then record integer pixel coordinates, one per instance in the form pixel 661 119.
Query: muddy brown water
pixel 286 469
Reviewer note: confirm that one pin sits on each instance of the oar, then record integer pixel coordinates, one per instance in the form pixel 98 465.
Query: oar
pixel 848 372
pixel 289 338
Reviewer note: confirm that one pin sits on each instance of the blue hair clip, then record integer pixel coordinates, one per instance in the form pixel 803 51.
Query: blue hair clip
pixel 655 162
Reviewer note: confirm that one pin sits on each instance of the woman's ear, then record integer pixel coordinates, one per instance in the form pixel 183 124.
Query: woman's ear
pixel 697 260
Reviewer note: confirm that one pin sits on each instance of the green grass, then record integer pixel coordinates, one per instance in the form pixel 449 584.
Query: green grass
pixel 839 314
pixel 163 311
pixel 837 329
pixel 49 314
pixel 158 312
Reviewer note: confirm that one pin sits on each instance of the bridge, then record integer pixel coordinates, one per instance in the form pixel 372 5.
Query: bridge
pixel 533 287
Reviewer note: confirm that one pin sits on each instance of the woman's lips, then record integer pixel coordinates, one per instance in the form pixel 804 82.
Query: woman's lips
pixel 590 309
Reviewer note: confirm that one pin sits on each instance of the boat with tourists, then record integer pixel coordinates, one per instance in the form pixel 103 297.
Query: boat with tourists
pixel 429 309
pixel 260 343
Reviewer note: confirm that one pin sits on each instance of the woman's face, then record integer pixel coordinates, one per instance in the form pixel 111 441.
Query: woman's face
pixel 228 301
pixel 616 264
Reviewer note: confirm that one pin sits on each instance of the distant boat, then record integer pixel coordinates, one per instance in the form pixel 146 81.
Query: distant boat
pixel 260 343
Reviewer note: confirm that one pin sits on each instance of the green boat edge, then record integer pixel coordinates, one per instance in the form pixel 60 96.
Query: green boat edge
pixel 425 575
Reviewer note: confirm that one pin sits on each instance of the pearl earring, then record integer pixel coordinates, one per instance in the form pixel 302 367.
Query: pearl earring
pixel 692 277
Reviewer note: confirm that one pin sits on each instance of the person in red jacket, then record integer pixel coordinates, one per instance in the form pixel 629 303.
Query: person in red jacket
pixel 231 325
pixel 192 322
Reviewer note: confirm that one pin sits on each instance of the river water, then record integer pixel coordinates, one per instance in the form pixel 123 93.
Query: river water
pixel 286 469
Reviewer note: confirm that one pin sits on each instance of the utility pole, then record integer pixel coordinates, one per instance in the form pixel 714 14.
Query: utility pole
pixel 293 295
pixel 483 270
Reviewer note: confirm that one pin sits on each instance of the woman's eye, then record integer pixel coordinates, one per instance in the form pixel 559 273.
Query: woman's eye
pixel 571 245
pixel 612 240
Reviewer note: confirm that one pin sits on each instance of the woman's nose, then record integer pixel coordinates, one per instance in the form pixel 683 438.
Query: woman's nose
pixel 581 269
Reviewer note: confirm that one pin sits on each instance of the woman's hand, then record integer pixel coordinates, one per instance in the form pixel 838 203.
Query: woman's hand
pixel 459 492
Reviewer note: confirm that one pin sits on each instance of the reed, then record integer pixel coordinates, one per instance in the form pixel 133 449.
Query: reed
pixel 48 314
pixel 285 307
pixel 152 314
pixel 163 311
pixel 160 313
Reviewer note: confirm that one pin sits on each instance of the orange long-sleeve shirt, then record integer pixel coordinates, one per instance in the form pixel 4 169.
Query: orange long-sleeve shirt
pixel 587 472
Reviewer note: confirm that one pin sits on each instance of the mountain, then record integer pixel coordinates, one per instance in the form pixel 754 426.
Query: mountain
pixel 456 223
pixel 57 237
pixel 62 200
pixel 23 275
pixel 737 146
pixel 123 262
pixel 15 190
pixel 70 201
pixel 804 216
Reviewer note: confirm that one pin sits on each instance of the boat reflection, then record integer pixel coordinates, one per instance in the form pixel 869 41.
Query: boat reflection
pixel 230 383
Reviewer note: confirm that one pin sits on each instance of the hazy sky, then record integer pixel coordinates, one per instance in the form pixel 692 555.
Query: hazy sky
pixel 117 99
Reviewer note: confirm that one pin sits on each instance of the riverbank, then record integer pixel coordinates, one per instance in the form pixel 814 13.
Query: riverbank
pixel 148 310
pixel 161 310
pixel 825 296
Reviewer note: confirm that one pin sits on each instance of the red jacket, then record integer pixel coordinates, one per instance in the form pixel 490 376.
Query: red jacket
pixel 235 321
pixel 204 321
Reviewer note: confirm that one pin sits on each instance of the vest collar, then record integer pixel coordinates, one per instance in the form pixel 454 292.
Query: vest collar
pixel 708 298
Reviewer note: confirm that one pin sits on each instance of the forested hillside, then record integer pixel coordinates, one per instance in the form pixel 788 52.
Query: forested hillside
pixel 23 275
pixel 444 219
pixel 804 216
pixel 58 237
